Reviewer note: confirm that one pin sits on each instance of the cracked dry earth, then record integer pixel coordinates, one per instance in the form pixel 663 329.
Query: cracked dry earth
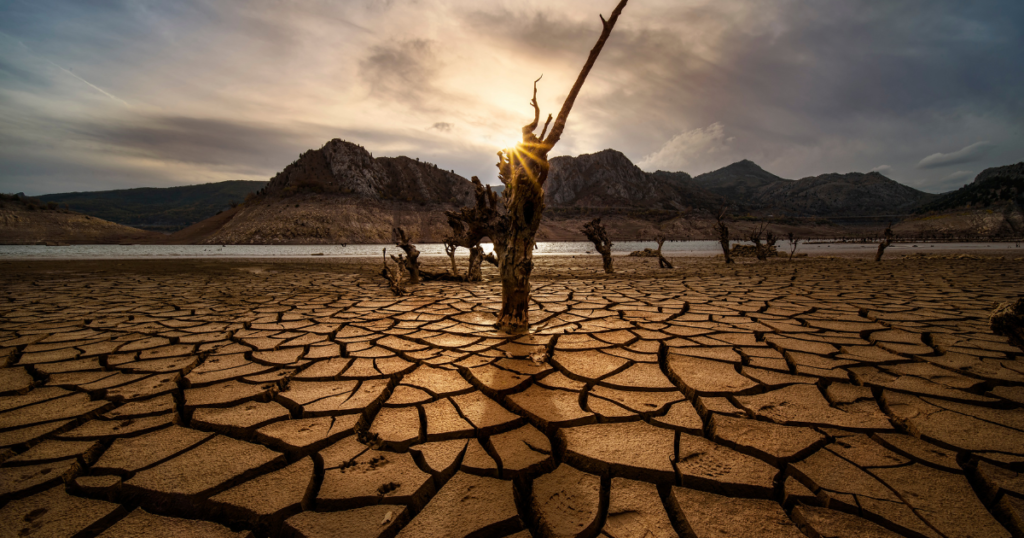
pixel 832 398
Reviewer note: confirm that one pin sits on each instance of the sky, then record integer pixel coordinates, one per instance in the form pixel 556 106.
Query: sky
pixel 98 95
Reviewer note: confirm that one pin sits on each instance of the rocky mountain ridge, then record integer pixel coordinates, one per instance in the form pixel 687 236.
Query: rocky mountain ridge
pixel 1001 186
pixel 340 193
pixel 608 179
pixel 841 195
pixel 344 168
pixel 1011 172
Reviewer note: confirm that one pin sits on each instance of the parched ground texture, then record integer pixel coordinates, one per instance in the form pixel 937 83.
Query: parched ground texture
pixel 821 397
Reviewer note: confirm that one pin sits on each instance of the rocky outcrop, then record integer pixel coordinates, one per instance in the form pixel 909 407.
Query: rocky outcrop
pixel 344 168
pixel 607 179
pixel 1013 172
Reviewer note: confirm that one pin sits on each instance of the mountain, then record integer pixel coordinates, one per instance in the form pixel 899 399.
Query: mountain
pixel 842 195
pixel 1012 172
pixel 608 179
pixel 741 182
pixel 28 221
pixel 343 168
pixel 1002 186
pixel 165 209
pixel 828 195
pixel 340 193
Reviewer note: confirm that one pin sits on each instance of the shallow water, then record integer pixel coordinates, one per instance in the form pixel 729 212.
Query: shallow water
pixel 671 248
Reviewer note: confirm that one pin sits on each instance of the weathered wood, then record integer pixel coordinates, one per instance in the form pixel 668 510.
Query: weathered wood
pixel 763 250
pixel 662 262
pixel 723 235
pixel 887 238
pixel 450 245
pixel 470 225
pixel 597 235
pixel 794 241
pixel 393 276
pixel 411 260
pixel 524 169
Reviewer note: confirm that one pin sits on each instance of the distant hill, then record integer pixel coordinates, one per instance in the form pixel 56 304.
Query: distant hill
pixel 164 209
pixel 608 179
pixel 1002 186
pixel 741 182
pixel 340 193
pixel 28 221
pixel 343 168
pixel 842 195
pixel 1013 171
pixel 828 195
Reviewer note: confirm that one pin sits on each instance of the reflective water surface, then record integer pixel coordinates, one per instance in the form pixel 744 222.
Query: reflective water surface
pixel 671 248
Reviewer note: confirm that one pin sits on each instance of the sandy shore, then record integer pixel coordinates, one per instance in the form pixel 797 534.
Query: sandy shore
pixel 824 396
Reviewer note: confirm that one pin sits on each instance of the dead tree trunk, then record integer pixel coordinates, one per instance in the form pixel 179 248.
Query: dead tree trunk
pixel 412 255
pixel 884 244
pixel 662 262
pixel 793 242
pixel 723 235
pixel 449 248
pixel 476 254
pixel 1008 321
pixel 470 225
pixel 393 276
pixel 524 169
pixel 755 238
pixel 597 235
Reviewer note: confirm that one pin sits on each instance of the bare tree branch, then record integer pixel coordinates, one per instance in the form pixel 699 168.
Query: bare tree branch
pixel 393 276
pixel 563 114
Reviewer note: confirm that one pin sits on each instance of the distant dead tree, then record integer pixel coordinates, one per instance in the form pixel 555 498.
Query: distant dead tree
pixel 723 235
pixel 793 242
pixel 597 235
pixel 662 262
pixel 449 248
pixel 524 170
pixel 393 276
pixel 760 250
pixel 884 244
pixel 470 225
pixel 411 260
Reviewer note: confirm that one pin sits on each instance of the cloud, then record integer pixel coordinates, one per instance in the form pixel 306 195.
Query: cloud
pixel 223 88
pixel 883 169
pixel 692 150
pixel 974 152
pixel 402 71
pixel 444 127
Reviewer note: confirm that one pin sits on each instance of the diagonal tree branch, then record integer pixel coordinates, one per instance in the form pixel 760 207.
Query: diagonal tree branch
pixel 563 114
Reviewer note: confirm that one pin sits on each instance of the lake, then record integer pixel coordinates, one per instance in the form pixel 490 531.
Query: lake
pixel 671 248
